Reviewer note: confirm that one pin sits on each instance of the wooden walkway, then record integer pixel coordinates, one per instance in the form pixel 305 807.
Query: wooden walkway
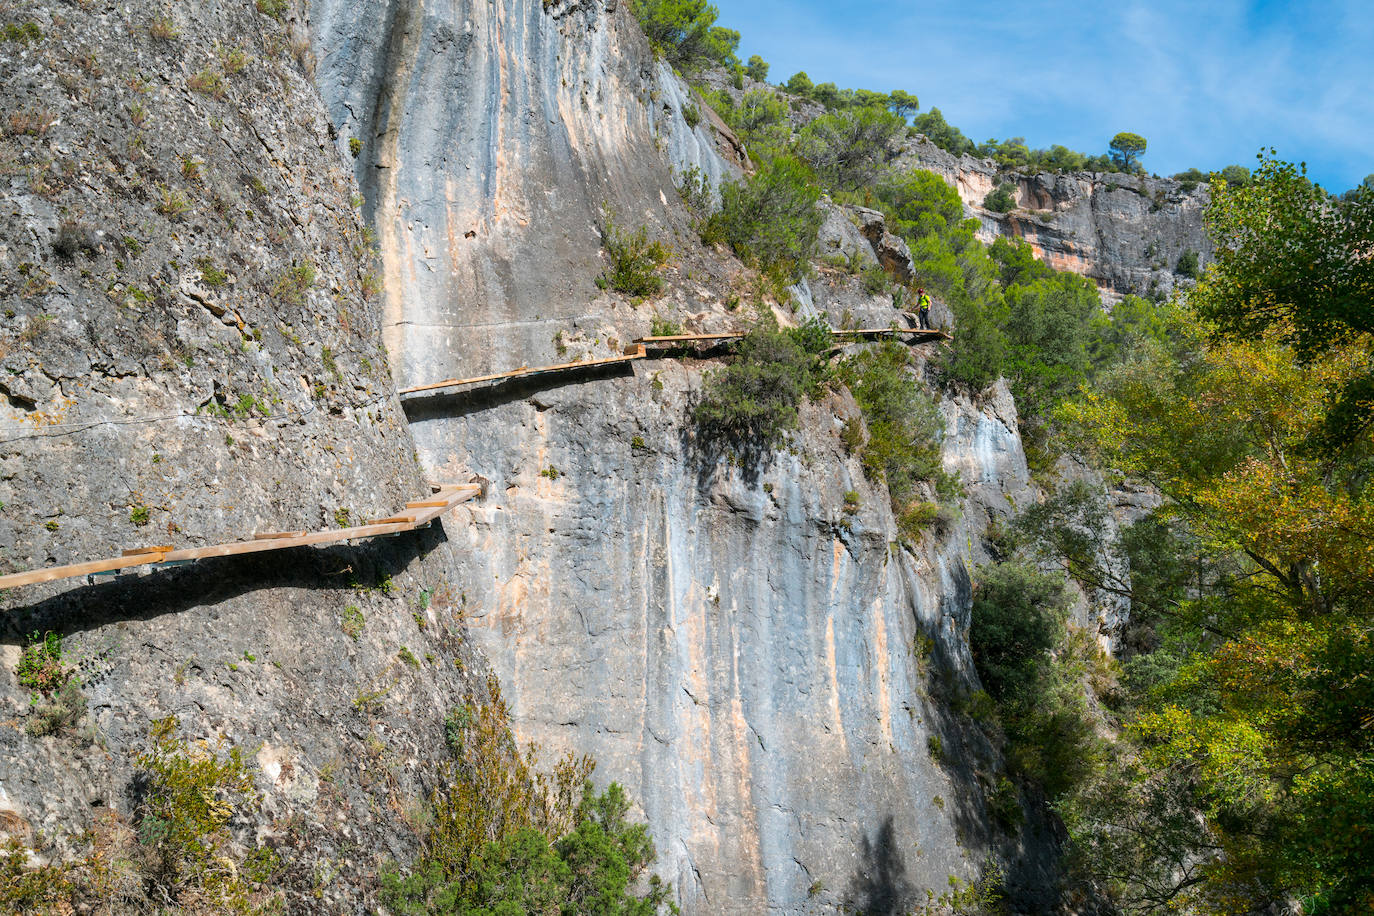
pixel 674 339
pixel 632 353
pixel 638 351
pixel 414 515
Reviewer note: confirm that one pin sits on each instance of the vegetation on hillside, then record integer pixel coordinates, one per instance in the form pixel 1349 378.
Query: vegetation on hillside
pixel 507 838
pixel 1242 772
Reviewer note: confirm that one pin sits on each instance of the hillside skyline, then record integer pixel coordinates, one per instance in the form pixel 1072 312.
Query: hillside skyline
pixel 1210 85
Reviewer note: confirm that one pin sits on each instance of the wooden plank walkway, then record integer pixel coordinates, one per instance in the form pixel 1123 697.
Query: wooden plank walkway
pixel 637 351
pixel 416 514
pixel 669 340
pixel 632 353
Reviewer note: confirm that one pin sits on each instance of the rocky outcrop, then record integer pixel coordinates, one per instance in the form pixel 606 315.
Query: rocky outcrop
pixel 890 249
pixel 1125 232
pixel 756 663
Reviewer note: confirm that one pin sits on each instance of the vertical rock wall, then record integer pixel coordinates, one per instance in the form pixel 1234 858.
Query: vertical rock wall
pixel 190 352
pixel 1125 232
pixel 753 662
pixel 492 137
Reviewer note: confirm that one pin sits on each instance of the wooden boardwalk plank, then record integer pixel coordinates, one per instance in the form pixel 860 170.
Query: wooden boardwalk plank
pixel 445 499
pixel 634 354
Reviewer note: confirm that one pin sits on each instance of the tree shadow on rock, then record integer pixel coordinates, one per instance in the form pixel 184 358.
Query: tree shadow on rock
pixel 880 886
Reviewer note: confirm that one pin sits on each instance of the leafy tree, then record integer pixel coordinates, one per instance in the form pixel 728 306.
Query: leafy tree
pixel 1050 327
pixel 757 68
pixel 848 149
pixel 684 31
pixel 1126 149
pixel 800 84
pixel 828 94
pixel 903 104
pixel 1294 264
pixel 1237 176
pixel 760 119
pixel 1010 154
pixel 942 133
pixel 864 98
pixel 770 219
pixel 1257 714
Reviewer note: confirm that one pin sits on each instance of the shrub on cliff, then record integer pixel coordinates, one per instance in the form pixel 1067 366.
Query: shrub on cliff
pixel 751 403
pixel 905 427
pixel 506 838
pixel 770 219
pixel 848 149
pixel 1002 199
pixel 634 261
pixel 685 32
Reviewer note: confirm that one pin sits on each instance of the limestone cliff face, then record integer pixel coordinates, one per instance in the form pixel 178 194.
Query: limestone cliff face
pixel 1127 233
pixel 190 352
pixel 753 662
pixel 493 138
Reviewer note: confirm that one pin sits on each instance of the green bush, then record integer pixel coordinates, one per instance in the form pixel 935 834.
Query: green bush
pixel 684 32
pixel 751 403
pixel 505 838
pixel 905 427
pixel 771 220
pixel 761 120
pixel 66 709
pixel 941 132
pixel 757 68
pixel 634 259
pixel 662 327
pixel 1187 265
pixel 692 115
pixel 190 798
pixel 1002 199
pixel 849 149
pixel 875 280
pixel 40 664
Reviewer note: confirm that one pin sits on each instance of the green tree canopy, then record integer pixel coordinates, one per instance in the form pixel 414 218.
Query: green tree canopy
pixel 757 68
pixel 848 149
pixel 1127 149
pixel 941 132
pixel 1295 264
pixel 799 84
pixel 903 104
pixel 684 31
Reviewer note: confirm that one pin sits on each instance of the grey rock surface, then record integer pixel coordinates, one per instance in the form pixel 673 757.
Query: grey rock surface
pixel 1126 232
pixel 206 363
pixel 743 654
pixel 492 137
pixel 738 652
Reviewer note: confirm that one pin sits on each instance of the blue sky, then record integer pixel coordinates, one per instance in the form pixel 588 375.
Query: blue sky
pixel 1207 82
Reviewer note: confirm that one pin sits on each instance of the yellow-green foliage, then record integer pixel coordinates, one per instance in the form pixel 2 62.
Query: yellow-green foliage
pixel 635 261
pixel 507 838
pixel 193 791
pixel 179 858
pixel 493 787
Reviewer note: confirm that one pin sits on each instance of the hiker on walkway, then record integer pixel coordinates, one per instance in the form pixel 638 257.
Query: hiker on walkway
pixel 923 308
